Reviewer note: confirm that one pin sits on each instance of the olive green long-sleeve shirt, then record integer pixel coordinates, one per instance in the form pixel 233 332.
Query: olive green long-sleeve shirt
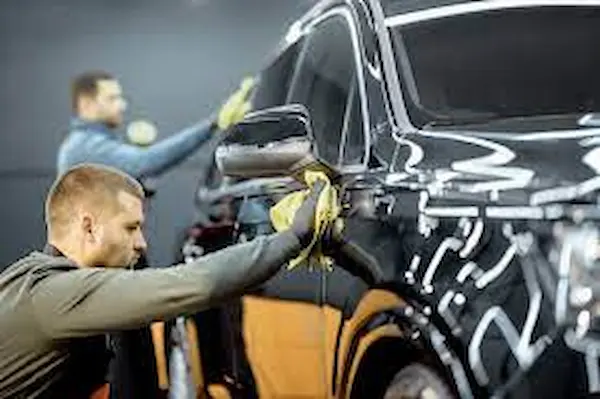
pixel 54 315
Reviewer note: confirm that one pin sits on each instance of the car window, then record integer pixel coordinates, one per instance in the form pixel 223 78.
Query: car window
pixel 534 64
pixel 324 79
pixel 274 81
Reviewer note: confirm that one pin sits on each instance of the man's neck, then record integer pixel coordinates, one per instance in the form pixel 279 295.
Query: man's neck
pixel 69 252
pixel 87 117
pixel 90 121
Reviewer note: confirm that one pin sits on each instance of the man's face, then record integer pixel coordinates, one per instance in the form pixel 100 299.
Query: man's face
pixel 109 103
pixel 118 239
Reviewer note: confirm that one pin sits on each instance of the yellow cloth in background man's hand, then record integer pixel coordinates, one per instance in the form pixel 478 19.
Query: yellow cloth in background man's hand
pixel 327 211
pixel 236 106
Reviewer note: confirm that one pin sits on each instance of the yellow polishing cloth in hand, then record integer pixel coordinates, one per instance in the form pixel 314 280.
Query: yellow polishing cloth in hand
pixel 236 106
pixel 326 212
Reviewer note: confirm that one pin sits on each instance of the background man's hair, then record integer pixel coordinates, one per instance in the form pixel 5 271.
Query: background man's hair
pixel 86 185
pixel 86 84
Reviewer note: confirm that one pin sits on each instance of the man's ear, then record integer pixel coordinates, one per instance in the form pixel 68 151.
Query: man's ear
pixel 87 227
pixel 85 103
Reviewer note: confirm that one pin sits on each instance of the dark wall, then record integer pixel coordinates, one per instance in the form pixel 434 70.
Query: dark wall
pixel 177 60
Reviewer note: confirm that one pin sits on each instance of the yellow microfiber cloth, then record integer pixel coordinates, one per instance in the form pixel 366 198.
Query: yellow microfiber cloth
pixel 327 211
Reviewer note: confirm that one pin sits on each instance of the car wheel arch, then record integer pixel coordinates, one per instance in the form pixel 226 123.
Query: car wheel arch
pixel 390 339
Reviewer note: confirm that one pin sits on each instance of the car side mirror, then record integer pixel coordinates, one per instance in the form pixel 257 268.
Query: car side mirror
pixel 271 142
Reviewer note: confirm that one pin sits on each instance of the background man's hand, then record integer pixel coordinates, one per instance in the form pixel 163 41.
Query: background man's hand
pixel 236 106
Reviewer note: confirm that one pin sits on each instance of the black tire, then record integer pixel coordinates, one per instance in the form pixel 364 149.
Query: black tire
pixel 417 381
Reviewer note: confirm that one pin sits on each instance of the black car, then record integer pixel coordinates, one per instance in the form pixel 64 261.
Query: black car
pixel 464 140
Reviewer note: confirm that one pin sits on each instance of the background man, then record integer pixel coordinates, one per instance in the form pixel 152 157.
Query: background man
pixel 58 304
pixel 98 105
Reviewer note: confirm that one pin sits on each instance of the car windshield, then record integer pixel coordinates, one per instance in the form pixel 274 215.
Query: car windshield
pixel 513 64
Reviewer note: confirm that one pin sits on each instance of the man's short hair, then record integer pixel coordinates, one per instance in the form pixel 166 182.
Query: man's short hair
pixel 86 84
pixel 96 186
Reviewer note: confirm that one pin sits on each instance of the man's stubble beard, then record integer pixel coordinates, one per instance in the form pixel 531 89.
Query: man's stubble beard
pixel 113 123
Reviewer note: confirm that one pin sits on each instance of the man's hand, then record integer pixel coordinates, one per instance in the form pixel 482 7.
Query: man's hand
pixel 304 219
pixel 236 106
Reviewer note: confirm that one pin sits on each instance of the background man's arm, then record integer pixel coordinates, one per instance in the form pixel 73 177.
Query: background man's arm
pixel 92 301
pixel 153 160
pixel 140 161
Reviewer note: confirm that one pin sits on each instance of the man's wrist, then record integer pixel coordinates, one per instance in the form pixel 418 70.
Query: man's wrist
pixel 304 237
pixel 290 241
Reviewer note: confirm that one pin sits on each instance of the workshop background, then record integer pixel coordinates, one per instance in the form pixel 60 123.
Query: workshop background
pixel 177 61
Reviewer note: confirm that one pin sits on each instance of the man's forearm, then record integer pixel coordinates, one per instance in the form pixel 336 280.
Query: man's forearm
pixel 91 301
pixel 234 274
pixel 174 149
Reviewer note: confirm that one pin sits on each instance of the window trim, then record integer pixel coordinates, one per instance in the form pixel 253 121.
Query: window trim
pixel 452 10
pixel 344 12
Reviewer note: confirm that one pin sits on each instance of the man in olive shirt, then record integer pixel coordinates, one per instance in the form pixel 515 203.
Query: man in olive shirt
pixel 57 305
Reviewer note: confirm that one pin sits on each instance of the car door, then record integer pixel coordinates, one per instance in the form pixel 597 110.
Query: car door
pixel 329 81
pixel 324 79
pixel 282 321
pixel 292 326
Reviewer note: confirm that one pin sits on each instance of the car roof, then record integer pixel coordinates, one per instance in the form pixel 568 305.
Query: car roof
pixel 390 7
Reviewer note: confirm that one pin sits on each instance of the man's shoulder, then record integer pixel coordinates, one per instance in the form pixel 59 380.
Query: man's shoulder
pixel 34 267
pixel 85 132
pixel 78 140
pixel 46 260
pixel 81 144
